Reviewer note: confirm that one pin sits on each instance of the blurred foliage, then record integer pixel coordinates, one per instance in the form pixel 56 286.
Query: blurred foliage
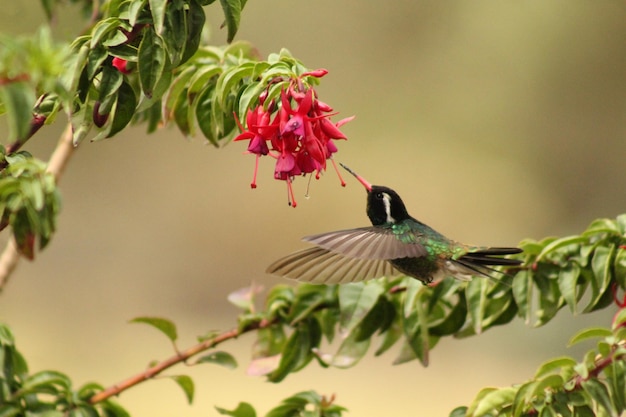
pixel 29 201
pixel 140 61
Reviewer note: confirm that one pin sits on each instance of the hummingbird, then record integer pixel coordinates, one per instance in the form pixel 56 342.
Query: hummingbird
pixel 395 244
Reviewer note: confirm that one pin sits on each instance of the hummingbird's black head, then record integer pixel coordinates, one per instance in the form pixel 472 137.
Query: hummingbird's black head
pixel 384 205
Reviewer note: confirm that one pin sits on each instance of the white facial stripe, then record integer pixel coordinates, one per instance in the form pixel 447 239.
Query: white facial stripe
pixel 387 203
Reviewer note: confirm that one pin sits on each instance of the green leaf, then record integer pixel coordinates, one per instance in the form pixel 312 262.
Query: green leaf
pixel 297 351
pixel 113 409
pixel 195 24
pixel 415 325
pixel 550 366
pixel 167 327
pixel 134 9
pixel 219 358
pixel 617 379
pixel 174 34
pixel 151 60
pixel 568 277
pixel 620 267
pixel 102 29
pixel 459 412
pixel 44 380
pixel 601 264
pixel 110 83
pixel 479 397
pixel 560 243
pixel 242 410
pixel 587 334
pixel 308 299
pixel 476 293
pixel 18 99
pixel 551 382
pixel 186 384
pixel 124 109
pixel 232 14
pixel 493 400
pixel 230 78
pixel 522 293
pixel 350 352
pixel 157 8
pixel 599 392
pixel 204 111
pixel 356 300
pixel 600 226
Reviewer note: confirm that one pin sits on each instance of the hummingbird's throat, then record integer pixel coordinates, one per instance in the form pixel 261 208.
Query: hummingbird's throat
pixel 387 205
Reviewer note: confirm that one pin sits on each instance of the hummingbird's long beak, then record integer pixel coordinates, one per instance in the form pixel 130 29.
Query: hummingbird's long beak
pixel 362 180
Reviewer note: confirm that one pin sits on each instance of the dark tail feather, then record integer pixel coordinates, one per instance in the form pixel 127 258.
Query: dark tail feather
pixel 490 256
pixel 481 261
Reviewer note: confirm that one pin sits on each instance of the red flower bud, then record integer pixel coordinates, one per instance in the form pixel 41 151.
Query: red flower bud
pixel 121 65
pixel 318 73
pixel 99 119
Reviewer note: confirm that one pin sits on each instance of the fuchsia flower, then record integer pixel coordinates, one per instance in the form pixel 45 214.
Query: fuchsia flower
pixel 300 135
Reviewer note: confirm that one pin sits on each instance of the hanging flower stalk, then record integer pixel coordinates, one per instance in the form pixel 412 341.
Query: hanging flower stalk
pixel 295 130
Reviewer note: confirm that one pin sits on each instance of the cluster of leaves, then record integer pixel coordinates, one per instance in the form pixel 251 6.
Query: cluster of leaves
pixel 141 61
pixel 50 393
pixel 29 201
pixel 154 37
pixel 596 386
pixel 557 272
pixel 44 393
pixel 302 404
pixel 219 83
pixel 299 324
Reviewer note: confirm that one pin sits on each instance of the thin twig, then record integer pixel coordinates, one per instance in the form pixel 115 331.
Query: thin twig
pixel 180 357
pixel 58 161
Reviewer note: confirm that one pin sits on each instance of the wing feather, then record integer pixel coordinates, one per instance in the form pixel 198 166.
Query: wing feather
pixel 320 266
pixel 367 243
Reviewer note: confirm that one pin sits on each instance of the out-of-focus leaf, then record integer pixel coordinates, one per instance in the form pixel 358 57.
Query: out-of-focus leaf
pixel 308 299
pixel 350 352
pixel 195 24
pixel 186 384
pixel 599 392
pixel 45 379
pixel 550 366
pixel 297 351
pixel 224 359
pixel 157 8
pixel 232 15
pixel 18 99
pixel 568 277
pixel 493 400
pixel 356 301
pixel 587 334
pixel 151 60
pixel 167 327
pixel 124 109
pixel 599 226
pixel 242 410
pixel 601 264
pixel 476 293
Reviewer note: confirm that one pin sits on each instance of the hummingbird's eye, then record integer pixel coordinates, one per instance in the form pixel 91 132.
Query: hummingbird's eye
pixel 379 196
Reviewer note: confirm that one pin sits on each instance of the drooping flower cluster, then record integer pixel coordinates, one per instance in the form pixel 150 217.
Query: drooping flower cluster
pixel 295 130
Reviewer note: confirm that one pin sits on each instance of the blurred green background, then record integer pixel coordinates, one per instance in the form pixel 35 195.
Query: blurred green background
pixel 495 120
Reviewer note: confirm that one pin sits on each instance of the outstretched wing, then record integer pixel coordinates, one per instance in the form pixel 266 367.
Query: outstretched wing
pixel 321 266
pixel 369 243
